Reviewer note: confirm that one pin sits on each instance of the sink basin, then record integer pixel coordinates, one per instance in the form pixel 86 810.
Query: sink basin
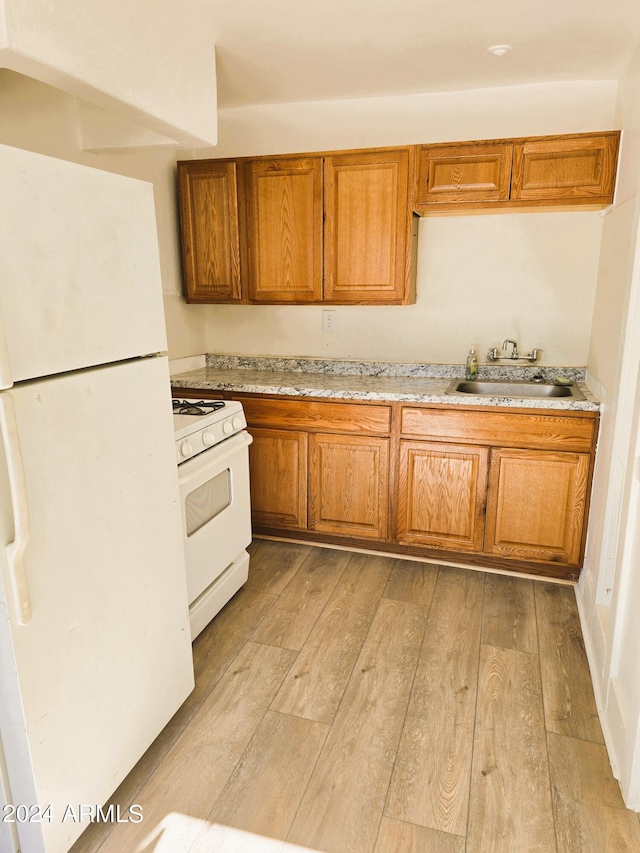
pixel 513 388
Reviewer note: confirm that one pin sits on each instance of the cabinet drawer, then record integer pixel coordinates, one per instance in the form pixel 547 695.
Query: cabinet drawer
pixel 348 418
pixel 503 429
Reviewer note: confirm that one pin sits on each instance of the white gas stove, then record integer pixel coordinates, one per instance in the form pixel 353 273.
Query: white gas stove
pixel 212 452
pixel 201 424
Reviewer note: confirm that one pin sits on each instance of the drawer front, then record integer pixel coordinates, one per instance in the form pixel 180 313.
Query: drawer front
pixel 500 429
pixel 346 418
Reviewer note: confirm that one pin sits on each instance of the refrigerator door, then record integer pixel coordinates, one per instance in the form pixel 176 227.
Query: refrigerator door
pixel 105 659
pixel 79 267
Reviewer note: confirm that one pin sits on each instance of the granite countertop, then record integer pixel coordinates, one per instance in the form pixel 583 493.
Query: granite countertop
pixel 383 381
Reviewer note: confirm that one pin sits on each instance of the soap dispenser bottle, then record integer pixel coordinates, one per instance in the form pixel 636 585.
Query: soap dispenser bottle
pixel 472 365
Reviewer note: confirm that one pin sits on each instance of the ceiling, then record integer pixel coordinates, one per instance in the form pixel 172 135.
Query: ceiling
pixel 277 51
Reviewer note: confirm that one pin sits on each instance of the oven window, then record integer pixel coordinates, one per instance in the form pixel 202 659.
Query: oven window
pixel 208 500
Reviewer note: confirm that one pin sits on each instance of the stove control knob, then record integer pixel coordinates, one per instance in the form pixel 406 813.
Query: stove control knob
pixel 208 438
pixel 227 427
pixel 186 449
pixel 237 423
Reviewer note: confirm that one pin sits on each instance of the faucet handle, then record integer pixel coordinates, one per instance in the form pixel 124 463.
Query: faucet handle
pixel 492 355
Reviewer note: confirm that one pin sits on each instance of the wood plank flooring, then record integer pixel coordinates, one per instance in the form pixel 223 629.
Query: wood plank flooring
pixel 348 703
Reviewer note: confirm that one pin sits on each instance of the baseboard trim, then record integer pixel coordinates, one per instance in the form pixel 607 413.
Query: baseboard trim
pixel 413 558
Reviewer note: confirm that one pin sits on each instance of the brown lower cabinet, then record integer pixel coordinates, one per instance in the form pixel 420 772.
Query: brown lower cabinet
pixel 441 495
pixel 536 504
pixel 319 466
pixel 484 486
pixel 349 485
pixel 278 467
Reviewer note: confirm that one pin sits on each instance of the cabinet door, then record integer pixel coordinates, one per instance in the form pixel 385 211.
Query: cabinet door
pixel 576 167
pixel 536 505
pixel 284 225
pixel 209 224
pixel 458 174
pixel 278 472
pixel 441 495
pixel 349 485
pixel 367 228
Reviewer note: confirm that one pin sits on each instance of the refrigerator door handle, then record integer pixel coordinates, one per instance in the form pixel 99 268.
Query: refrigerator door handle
pixel 15 550
pixel 6 377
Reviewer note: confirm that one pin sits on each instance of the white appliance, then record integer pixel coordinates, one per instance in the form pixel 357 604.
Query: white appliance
pixel 212 450
pixel 95 652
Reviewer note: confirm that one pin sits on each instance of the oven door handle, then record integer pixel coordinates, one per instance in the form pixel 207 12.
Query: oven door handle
pixel 216 455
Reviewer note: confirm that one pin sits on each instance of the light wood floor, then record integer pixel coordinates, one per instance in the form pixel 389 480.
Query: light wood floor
pixel 347 703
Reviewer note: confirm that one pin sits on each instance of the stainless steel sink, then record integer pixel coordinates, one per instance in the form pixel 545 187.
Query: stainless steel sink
pixel 513 388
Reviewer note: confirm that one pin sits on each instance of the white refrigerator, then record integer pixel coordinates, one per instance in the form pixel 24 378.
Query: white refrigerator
pixel 95 651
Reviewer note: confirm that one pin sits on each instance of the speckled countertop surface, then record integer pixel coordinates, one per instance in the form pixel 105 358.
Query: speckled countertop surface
pixel 383 381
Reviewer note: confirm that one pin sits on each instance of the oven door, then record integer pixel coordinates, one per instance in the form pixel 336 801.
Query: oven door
pixel 216 512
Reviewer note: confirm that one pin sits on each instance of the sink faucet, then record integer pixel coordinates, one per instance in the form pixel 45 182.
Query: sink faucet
pixel 493 355
pixel 514 352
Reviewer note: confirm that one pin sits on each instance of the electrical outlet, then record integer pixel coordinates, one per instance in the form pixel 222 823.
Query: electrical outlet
pixel 329 321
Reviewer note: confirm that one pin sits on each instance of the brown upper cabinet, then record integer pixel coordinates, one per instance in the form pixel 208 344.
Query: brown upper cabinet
pixel 572 168
pixel 367 229
pixel 469 172
pixel 284 229
pixel 210 237
pixel 546 171
pixel 334 228
pixel 338 227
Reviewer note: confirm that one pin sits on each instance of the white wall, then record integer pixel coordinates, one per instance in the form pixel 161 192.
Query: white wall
pixel 161 75
pixel 510 111
pixel 480 278
pixel 610 582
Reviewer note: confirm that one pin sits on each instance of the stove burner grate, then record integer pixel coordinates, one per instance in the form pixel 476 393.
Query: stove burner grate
pixel 201 407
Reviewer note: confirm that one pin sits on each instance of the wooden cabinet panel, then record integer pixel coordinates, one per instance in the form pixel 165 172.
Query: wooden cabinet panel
pixel 367 227
pixel 441 495
pixel 278 471
pixel 210 238
pixel 579 167
pixel 534 172
pixel 356 418
pixel 284 229
pixel 349 485
pixel 506 429
pixel 471 172
pixel 536 505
